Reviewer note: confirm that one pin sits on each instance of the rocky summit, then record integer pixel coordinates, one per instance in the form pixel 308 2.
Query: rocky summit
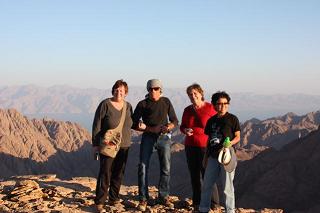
pixel 265 177
pixel 47 193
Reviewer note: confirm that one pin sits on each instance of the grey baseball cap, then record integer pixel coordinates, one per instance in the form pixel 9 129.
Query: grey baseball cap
pixel 152 83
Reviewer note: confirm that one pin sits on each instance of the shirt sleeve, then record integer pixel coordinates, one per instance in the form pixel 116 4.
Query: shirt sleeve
pixel 129 113
pixel 207 128
pixel 236 126
pixel 137 114
pixel 96 126
pixel 172 114
pixel 184 120
pixel 130 109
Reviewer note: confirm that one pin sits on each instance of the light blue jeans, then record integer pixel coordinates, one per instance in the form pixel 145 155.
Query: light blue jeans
pixel 147 145
pixel 215 170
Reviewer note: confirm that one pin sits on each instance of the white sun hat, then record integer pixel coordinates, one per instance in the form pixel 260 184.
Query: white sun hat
pixel 224 156
pixel 228 159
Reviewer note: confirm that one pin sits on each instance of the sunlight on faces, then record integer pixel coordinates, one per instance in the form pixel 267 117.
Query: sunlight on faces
pixel 155 93
pixel 222 106
pixel 195 97
pixel 119 93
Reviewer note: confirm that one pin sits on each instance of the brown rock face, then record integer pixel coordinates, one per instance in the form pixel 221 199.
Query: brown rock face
pixel 46 193
pixel 43 146
pixel 274 179
pixel 276 132
pixel 287 179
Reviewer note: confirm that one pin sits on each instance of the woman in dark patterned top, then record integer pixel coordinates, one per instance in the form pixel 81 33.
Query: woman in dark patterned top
pixel 111 171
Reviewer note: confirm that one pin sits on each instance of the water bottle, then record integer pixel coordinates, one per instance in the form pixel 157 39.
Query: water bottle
pixel 169 134
pixel 96 156
pixel 227 142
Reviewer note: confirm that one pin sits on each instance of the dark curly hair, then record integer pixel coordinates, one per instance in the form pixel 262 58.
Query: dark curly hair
pixel 220 94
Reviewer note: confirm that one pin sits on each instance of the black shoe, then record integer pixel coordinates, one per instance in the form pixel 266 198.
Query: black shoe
pixel 100 208
pixel 196 208
pixel 142 205
pixel 114 202
pixel 166 202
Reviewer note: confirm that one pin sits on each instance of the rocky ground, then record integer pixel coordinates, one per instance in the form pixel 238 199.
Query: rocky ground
pixel 46 193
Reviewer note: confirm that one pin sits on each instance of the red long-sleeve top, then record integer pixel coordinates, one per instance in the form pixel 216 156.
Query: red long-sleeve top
pixel 197 123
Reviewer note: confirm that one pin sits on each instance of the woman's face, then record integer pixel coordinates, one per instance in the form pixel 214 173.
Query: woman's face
pixel 195 97
pixel 119 93
pixel 222 106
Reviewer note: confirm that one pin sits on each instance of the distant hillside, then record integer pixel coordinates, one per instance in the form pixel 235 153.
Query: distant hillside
pixel 43 146
pixel 32 99
pixel 46 146
pixel 78 105
pixel 287 179
pixel 257 135
pixel 278 131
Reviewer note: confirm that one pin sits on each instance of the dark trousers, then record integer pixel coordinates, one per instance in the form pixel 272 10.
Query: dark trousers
pixel 195 157
pixel 111 174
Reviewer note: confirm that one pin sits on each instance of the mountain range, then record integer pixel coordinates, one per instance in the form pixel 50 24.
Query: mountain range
pixel 43 146
pixel 76 104
pixel 277 131
pixel 289 173
pixel 287 178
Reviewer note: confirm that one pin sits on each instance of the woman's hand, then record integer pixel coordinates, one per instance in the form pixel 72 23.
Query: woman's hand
pixel 95 150
pixel 164 129
pixel 188 131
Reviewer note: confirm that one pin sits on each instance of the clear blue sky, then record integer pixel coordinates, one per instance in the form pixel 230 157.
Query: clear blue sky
pixel 270 46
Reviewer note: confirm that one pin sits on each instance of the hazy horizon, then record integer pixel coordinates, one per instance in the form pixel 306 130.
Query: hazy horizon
pixel 208 92
pixel 264 47
pixel 78 105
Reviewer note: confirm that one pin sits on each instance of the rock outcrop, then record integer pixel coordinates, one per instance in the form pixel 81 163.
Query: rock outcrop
pixel 46 146
pixel 287 179
pixel 34 146
pixel 279 131
pixel 46 193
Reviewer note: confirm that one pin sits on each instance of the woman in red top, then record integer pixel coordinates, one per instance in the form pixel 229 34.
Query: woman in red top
pixel 194 120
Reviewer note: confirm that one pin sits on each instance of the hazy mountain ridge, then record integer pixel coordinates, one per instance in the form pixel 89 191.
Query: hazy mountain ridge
pixel 42 146
pixel 40 139
pixel 278 131
pixel 38 146
pixel 65 101
pixel 288 178
pixel 63 148
pixel 32 99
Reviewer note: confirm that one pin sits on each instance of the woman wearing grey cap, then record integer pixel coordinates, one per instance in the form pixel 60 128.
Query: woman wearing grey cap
pixel 158 118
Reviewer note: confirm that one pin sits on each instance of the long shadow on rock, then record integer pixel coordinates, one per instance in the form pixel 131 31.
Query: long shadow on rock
pixel 64 164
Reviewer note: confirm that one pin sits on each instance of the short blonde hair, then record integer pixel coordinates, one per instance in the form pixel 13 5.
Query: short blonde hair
pixel 196 87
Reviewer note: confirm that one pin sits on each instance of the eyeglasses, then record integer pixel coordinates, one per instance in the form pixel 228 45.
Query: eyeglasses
pixel 222 104
pixel 155 89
